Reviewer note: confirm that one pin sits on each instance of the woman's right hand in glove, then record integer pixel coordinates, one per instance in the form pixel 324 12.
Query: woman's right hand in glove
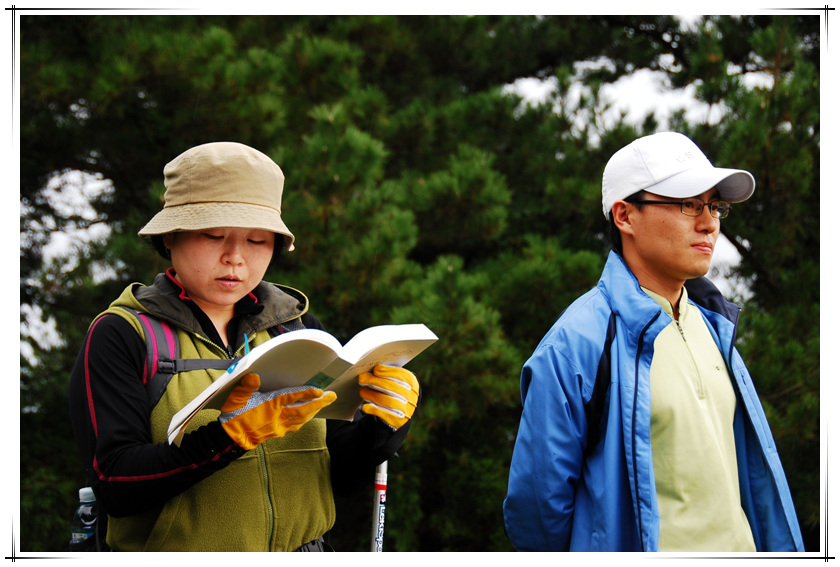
pixel 250 416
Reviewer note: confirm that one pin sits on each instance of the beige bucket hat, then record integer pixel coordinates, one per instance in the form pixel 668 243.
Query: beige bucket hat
pixel 221 185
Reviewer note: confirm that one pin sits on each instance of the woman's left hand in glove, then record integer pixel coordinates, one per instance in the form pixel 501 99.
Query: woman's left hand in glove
pixel 391 394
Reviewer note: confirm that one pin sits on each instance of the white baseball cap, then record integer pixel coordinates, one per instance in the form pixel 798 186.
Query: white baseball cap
pixel 671 165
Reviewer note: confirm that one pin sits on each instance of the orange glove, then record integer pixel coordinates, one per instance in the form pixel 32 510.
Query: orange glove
pixel 250 416
pixel 391 394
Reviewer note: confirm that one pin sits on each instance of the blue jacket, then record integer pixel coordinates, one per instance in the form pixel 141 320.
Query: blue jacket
pixel 571 492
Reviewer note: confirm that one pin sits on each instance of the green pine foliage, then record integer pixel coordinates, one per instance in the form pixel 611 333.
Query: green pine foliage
pixel 420 189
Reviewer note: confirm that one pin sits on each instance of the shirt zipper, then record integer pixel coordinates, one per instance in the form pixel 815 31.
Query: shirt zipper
pixel 698 382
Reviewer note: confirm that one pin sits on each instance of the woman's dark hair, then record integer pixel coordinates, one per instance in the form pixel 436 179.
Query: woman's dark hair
pixel 279 248
pixel 615 234
pixel 156 241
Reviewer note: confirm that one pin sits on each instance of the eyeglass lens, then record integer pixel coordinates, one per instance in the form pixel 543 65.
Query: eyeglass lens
pixel 694 208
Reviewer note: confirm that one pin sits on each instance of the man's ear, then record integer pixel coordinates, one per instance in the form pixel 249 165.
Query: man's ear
pixel 621 211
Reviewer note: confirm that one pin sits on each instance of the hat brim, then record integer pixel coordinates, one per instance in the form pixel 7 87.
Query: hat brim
pixel 734 185
pixel 202 216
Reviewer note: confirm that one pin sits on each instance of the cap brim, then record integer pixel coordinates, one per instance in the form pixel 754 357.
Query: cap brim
pixel 202 216
pixel 734 185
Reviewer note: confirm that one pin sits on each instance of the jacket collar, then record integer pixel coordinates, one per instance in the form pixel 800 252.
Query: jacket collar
pixel 634 307
pixel 637 309
pixel 706 294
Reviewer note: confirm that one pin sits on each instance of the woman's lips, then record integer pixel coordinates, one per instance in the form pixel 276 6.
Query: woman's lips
pixel 229 282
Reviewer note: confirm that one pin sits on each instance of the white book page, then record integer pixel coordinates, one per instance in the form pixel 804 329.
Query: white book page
pixel 368 341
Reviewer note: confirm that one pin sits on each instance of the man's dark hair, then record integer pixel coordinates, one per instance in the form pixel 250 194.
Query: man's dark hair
pixel 615 237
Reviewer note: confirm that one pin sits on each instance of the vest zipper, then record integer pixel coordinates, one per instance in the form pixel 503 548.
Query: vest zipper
pixel 267 494
pixel 211 344
pixel 263 459
pixel 260 451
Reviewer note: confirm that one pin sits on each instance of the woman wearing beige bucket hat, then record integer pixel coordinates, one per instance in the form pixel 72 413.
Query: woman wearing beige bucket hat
pixel 260 475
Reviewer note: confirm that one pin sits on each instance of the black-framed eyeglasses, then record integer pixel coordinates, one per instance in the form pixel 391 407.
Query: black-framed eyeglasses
pixel 693 207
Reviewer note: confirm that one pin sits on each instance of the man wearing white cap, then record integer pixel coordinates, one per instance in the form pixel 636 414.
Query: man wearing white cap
pixel 641 429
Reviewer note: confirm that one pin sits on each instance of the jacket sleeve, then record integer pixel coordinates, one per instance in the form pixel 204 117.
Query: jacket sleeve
pixel 548 454
pixel 357 447
pixel 110 414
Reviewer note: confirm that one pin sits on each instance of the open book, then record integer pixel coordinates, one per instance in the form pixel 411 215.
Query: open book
pixel 315 358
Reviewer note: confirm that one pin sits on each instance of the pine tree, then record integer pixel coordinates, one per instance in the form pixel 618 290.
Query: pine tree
pixel 419 189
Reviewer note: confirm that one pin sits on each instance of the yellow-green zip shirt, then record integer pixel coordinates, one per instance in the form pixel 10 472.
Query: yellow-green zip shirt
pixel 692 440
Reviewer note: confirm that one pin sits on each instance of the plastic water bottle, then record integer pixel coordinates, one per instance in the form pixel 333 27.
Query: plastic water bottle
pixel 83 528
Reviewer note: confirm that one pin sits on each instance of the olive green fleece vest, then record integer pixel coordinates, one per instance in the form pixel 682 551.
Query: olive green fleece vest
pixel 275 497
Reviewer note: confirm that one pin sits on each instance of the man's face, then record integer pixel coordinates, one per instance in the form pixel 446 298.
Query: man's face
pixel 668 246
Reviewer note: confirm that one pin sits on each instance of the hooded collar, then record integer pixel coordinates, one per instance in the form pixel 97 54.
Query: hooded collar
pixel 268 305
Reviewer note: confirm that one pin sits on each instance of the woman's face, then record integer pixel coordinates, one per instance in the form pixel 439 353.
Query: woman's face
pixel 220 266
